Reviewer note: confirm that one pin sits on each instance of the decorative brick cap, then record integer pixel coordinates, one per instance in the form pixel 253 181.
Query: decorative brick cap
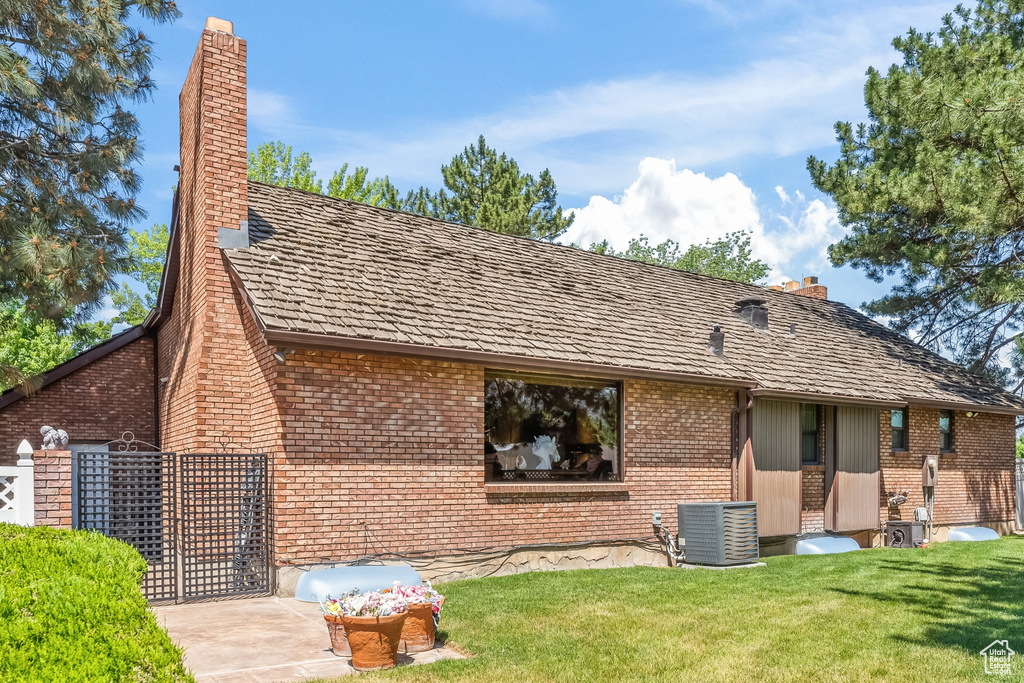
pixel 222 25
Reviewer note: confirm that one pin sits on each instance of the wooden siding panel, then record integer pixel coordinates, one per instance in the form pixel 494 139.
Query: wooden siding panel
pixel 830 463
pixel 853 496
pixel 776 460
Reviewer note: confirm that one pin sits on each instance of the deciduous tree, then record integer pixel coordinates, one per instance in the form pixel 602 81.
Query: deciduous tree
pixel 30 345
pixel 147 250
pixel 729 257
pixel 272 163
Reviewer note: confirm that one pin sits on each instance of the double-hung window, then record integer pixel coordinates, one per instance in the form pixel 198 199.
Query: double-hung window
pixel 810 418
pixel 946 431
pixel 899 429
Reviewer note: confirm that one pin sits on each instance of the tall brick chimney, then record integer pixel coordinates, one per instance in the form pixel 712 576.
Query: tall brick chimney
pixel 202 347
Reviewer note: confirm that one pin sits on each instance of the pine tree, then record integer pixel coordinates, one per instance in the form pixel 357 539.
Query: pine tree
pixel 68 144
pixel 488 190
pixel 933 188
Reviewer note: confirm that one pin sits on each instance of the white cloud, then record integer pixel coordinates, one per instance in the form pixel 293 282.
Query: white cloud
pixel 690 208
pixel 666 203
pixel 269 110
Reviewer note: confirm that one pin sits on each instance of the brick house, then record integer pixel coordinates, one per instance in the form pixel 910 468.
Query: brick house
pixel 412 381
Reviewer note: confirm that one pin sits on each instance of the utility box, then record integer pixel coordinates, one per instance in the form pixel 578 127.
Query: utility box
pixel 719 534
pixel 929 470
pixel 904 534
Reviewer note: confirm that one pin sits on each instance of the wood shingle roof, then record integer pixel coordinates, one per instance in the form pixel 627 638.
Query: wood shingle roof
pixel 339 269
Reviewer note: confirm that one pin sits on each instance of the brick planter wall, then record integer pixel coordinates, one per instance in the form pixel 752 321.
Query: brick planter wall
pixel 53 488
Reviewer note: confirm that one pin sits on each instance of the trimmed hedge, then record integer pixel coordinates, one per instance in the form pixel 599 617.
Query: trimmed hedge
pixel 71 610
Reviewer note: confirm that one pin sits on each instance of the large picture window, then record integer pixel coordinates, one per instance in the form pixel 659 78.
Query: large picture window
pixel 542 427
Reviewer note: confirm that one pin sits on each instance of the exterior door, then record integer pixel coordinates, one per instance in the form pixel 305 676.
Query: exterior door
pixel 775 459
pixel 853 472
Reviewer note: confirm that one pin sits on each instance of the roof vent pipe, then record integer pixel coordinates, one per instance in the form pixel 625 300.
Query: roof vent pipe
pixel 716 341
pixel 754 312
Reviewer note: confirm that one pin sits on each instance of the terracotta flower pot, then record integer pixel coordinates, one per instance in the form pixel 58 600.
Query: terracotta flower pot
pixel 339 642
pixel 418 632
pixel 374 640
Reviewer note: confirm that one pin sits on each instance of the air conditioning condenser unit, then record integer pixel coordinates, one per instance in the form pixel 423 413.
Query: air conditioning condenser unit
pixel 720 533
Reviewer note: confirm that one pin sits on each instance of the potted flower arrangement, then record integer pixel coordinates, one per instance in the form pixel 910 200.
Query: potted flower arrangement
pixel 332 608
pixel 372 625
pixel 420 627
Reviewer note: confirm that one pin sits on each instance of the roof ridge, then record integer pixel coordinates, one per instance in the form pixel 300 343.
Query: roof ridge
pixel 531 240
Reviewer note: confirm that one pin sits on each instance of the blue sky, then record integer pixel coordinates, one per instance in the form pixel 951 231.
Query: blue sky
pixel 681 119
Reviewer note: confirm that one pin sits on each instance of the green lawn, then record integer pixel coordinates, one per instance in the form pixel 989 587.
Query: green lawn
pixel 892 615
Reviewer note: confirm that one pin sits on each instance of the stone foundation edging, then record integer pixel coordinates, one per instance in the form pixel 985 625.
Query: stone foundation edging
pixel 515 561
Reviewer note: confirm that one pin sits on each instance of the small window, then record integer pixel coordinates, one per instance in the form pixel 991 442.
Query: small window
pixel 899 429
pixel 810 418
pixel 544 428
pixel 946 431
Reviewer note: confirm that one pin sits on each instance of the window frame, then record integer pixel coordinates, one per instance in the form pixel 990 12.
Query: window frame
pixel 528 376
pixel 949 431
pixel 904 430
pixel 816 432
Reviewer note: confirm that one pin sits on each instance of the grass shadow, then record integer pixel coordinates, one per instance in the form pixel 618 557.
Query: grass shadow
pixel 958 605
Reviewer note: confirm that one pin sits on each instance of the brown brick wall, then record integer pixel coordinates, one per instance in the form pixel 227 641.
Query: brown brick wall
pixel 812 512
pixel 386 455
pixel 93 405
pixel 813 291
pixel 53 488
pixel 975 484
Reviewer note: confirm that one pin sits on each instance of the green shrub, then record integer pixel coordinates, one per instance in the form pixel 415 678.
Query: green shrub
pixel 71 610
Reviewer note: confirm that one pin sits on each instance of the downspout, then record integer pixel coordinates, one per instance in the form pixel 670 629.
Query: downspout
pixel 737 447
pixel 156 390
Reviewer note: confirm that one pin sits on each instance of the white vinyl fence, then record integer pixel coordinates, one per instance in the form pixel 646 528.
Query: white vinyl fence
pixel 17 489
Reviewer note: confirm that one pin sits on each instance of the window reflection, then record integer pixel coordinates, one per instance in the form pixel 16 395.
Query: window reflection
pixel 540 427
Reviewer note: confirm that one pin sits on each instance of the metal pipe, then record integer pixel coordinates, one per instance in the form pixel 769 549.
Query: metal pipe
pixel 676 552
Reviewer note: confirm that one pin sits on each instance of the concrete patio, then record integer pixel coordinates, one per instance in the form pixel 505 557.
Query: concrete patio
pixel 262 640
